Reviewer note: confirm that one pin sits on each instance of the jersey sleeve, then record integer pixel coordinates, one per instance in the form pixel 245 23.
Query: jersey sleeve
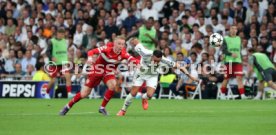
pixel 168 62
pixel 130 58
pixel 97 50
pixel 142 51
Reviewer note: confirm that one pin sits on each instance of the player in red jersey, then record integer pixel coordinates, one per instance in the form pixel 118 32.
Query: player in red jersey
pixel 103 68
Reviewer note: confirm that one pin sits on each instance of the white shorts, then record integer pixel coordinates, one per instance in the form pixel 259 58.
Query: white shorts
pixel 151 80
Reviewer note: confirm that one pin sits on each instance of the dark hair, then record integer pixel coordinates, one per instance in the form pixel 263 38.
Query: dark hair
pixel 157 53
pixel 193 53
pixel 39 65
pixel 251 50
pixel 215 18
pixel 240 3
pixel 198 46
pixel 180 53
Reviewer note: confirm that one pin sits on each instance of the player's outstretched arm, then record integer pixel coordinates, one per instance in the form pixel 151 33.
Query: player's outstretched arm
pixel 91 54
pixel 185 71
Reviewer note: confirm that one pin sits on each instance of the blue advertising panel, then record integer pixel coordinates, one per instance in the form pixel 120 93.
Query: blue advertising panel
pixel 23 89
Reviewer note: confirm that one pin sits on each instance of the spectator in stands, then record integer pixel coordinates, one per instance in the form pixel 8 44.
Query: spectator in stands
pixel 40 74
pixel 149 11
pixel 30 72
pixel 111 28
pixel 130 20
pixel 10 62
pixel 19 56
pixel 18 74
pixel 28 59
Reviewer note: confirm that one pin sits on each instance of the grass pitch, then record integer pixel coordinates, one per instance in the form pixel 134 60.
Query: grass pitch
pixel 164 117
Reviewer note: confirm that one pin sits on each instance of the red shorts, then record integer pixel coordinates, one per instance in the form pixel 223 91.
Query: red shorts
pixel 233 70
pixel 54 70
pixel 95 79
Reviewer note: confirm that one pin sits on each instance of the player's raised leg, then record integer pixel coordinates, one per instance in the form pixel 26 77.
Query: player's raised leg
pixel 90 83
pixel 146 96
pixel 80 95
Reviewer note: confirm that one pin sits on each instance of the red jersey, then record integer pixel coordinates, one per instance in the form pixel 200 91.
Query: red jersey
pixel 108 60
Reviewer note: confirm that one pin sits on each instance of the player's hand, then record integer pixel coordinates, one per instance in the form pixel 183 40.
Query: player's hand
pixel 234 55
pixel 147 35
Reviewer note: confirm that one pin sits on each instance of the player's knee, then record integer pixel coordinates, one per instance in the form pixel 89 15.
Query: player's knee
pixel 150 95
pixel 133 93
pixel 112 87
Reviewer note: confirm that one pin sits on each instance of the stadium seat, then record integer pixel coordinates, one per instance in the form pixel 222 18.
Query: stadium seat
pixel 229 95
pixel 165 81
pixel 94 93
pixel 197 91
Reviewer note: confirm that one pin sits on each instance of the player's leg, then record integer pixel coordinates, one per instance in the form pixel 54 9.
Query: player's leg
pixel 227 75
pixel 68 84
pixel 241 87
pixel 52 71
pixel 146 96
pixel 90 83
pixel 111 85
pixel 223 88
pixel 271 78
pixel 260 90
pixel 137 83
pixel 238 72
pixel 80 95
pixel 151 87
pixel 128 100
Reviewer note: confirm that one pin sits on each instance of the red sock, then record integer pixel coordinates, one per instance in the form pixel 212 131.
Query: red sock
pixel 241 90
pixel 68 88
pixel 107 96
pixel 223 90
pixel 48 90
pixel 74 100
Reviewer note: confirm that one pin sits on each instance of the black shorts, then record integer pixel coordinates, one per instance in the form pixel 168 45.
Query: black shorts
pixel 269 75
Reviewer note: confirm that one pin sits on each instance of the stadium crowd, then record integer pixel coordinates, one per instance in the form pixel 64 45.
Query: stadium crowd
pixel 182 29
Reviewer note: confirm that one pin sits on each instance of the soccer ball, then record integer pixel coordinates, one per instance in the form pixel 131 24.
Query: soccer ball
pixel 216 40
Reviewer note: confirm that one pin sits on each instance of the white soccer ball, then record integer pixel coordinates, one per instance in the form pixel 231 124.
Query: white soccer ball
pixel 216 40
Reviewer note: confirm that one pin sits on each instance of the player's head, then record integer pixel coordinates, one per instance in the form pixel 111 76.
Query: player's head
pixel 157 56
pixel 233 30
pixel 60 33
pixel 119 44
pixel 149 23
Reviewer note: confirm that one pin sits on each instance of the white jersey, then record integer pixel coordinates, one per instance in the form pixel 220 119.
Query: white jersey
pixel 147 67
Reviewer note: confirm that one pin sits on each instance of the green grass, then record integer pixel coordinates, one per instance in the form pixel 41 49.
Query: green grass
pixel 164 117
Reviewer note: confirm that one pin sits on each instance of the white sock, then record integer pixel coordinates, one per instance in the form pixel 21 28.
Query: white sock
pixel 145 96
pixel 259 94
pixel 128 102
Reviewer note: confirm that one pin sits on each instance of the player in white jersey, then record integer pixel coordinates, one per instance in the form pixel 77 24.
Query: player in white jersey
pixel 150 63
